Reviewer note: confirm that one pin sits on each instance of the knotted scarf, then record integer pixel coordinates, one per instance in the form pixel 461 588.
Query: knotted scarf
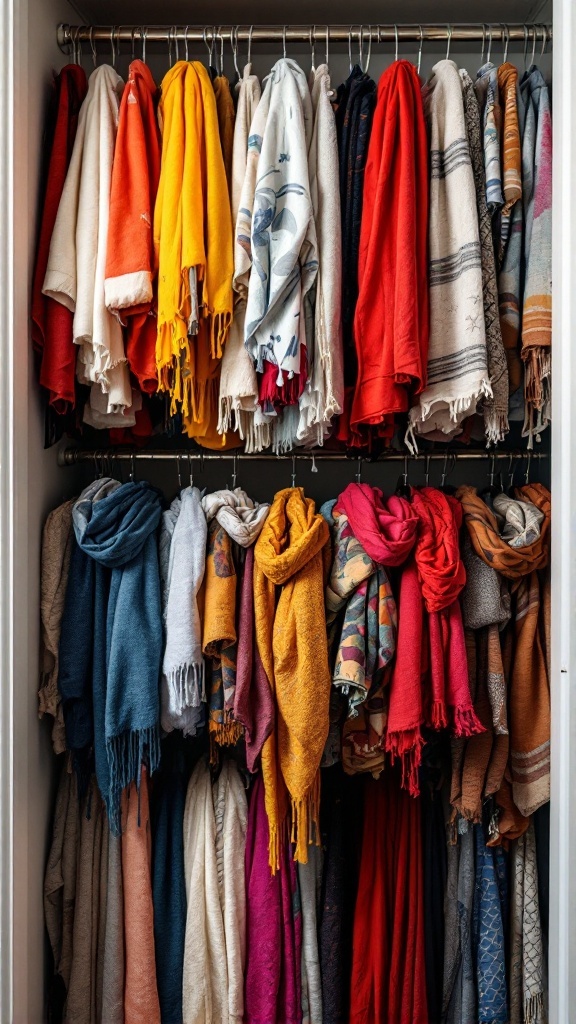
pixel 241 517
pixel 291 637
pixel 385 529
pixel 118 533
pixel 513 560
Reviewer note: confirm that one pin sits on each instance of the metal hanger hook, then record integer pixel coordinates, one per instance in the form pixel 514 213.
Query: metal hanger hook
pixel 132 44
pixel 396 40
pixel 250 31
pixel 366 65
pixel 132 464
pixel 492 468
pixel 220 36
pixel 427 471
pixel 327 43
pixel 350 48
pixel 186 43
pixel 420 49
pixel 314 467
pixel 359 470
pixel 234 48
pixel 312 35
pixel 113 48
pixel 178 457
pixel 534 31
pixel 284 41
pixel 544 40
pixel 143 37
pixel 527 473
pixel 93 46
pixel 483 41
pixel 526 38
pixel 506 40
pixel 234 470
pixel 405 474
pixel 489 44
pixel 449 34
pixel 511 471
pixel 293 471
pixel 191 469
pixel 170 46
pixel 444 470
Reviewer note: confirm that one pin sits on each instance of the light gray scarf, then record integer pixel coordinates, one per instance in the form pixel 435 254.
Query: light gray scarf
pixel 526 948
pixel 485 598
pixel 309 882
pixel 241 517
pixel 519 521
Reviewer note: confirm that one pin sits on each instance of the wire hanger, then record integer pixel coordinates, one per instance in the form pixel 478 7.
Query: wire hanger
pixel 220 36
pixel 396 41
pixel 143 37
pixel 112 46
pixel 427 471
pixel 234 48
pixel 234 470
pixel 489 44
pixel 483 43
pixel 327 44
pixel 293 471
pixel 506 42
pixel 284 41
pixel 534 39
pixel 369 52
pixel 314 467
pixel 359 470
pixel 312 35
pixel 449 34
pixel 419 65
pixel 249 56
pixel 191 469
pixel 527 473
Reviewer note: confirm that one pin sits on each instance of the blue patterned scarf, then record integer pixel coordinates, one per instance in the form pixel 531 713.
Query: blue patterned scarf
pixel 490 913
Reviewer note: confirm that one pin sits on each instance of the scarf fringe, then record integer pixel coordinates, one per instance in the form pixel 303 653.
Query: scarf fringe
pixel 187 685
pixel 466 722
pixel 406 747
pixel 458 409
pixel 284 430
pixel 534 1009
pixel 126 754
pixel 438 718
pixel 306 821
pixel 256 436
pixel 223 734
pixel 496 425
pixel 537 375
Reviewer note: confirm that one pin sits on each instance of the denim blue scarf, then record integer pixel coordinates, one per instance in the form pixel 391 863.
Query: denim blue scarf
pixel 490 916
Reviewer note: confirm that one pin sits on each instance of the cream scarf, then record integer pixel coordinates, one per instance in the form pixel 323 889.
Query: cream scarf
pixel 238 515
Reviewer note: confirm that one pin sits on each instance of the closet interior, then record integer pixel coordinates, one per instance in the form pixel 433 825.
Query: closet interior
pixel 291 323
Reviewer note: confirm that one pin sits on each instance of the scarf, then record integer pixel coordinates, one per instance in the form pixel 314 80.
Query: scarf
pixel 511 149
pixel 253 702
pixel 457 358
pixel 118 533
pixel 485 598
pixel 57 544
pixel 537 298
pixel 434 870
pixel 130 273
pixel 168 888
pixel 76 264
pixel 60 876
pixel 391 319
pixel 309 881
pixel 459 998
pixel 219 638
pixel 486 87
pixel 495 409
pixel 193 245
pixel 527 958
pixel 141 992
pixel 237 514
pixel 113 966
pixel 512 560
pixel 367 641
pixel 283 234
pixel 350 567
pixel 385 529
pixel 490 919
pixel 323 396
pixel 510 263
pixel 183 683
pixel 437 550
pixel 238 383
pixel 225 114
pixel 388 974
pixel 291 639
pixel 273 925
pixel 52 321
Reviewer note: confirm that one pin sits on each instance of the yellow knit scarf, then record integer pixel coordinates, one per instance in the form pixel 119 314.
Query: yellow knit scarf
pixel 192 231
pixel 291 636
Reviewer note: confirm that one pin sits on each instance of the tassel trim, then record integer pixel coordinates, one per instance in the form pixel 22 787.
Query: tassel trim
pixel 306 821
pixel 223 734
pixel 438 718
pixel 406 747
pixel 126 753
pixel 187 686
pixel 466 722
pixel 534 1009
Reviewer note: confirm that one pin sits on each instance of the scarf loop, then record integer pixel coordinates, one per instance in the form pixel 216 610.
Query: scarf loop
pixel 385 529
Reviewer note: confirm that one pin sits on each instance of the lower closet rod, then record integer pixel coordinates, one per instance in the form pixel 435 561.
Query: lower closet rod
pixel 71 456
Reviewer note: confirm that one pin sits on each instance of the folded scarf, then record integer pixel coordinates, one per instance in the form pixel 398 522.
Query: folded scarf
pixel 510 559
pixel 537 298
pixel 118 533
pixel 51 321
pixel 273 925
pixel 527 957
pixel 437 550
pixel 391 321
pixel 495 409
pixel 130 271
pixel 457 368
pixel 183 683
pixel 486 86
pixel 291 638
pixel 219 638
pixel 57 543
pixel 238 515
pixel 490 918
pixel 309 881
pixel 192 236
pixel 169 889
pixel 225 114
pixel 253 701
pixel 76 264
pixel 385 529
pixel 388 974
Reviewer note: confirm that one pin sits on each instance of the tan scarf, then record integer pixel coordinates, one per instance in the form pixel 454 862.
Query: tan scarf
pixel 291 637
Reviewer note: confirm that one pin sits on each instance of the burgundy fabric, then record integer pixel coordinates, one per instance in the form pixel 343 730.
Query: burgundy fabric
pixel 385 529
pixel 253 702
pixel 270 393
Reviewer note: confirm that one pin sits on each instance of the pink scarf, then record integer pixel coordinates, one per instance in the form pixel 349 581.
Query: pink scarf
pixel 386 530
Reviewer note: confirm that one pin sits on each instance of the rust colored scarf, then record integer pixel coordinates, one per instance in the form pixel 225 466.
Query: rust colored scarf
pixel 219 644
pixel 291 638
pixel 512 562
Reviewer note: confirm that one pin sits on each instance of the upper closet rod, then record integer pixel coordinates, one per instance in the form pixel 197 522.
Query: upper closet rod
pixel 70 456
pixel 69 35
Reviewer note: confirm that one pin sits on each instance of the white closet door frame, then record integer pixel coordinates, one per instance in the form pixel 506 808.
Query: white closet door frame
pixel 14 579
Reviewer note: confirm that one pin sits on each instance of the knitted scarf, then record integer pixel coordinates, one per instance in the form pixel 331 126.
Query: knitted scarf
pixel 168 887
pixel 118 533
pixel 52 321
pixel 537 299
pixel 57 543
pixel 490 920
pixel 225 113
pixel 253 702
pixel 385 529
pixel 192 238
pixel 391 320
pixel 291 638
pixel 183 684
pixel 219 637
pixel 527 957
pixel 457 368
pixel 495 409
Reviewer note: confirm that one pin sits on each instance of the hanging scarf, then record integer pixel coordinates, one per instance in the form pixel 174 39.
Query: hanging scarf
pixel 391 320
pixel 168 887
pixel 485 598
pixel 219 637
pixel 118 533
pixel 273 924
pixel 57 543
pixel 52 321
pixel 364 737
pixel 457 368
pixel 385 529
pixel 183 683
pixel 130 272
pixel 60 876
pixel 253 702
pixel 437 551
pixel 486 86
pixel 388 974
pixel 291 638
pixel 495 409
pixel 76 264
pixel 351 566
pixel 309 882
pixel 537 298
pixel 527 958
pixel 225 114
pixel 193 243
pixel 511 150
pixel 490 918
pixel 241 517
pixel 459 998
pixel 512 560
pixel 323 395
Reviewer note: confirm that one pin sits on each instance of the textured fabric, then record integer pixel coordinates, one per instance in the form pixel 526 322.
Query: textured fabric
pixel 309 881
pixel 511 148
pixel 57 542
pixel 113 968
pixel 512 560
pixel 391 319
pixel 241 517
pixel 225 113
pixel 459 999
pixel 537 297
pixel 231 814
pixel 495 409
pixel 490 914
pixel 60 876
pixel 51 321
pixel 486 86
pixel 291 638
pixel 253 702
pixel 527 958
pixel 219 637
pixel 457 371
pixel 367 640
pixel 485 598
pixel 385 529
pixel 437 551
pixel 434 868
pixel 76 264
pixel 169 890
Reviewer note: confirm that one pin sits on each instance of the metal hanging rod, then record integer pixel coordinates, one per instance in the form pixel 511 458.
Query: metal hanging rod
pixel 71 456
pixel 71 35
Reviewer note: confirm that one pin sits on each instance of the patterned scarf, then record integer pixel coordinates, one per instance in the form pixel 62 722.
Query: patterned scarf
pixel 510 559
pixel 486 86
pixel 219 637
pixel 490 918
pixel 527 958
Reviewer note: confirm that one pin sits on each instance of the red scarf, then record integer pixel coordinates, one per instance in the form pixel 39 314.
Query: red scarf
pixel 440 568
pixel 52 322
pixel 386 530
pixel 391 320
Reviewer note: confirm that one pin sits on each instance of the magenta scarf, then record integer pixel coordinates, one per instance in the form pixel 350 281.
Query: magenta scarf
pixel 385 529
pixel 273 926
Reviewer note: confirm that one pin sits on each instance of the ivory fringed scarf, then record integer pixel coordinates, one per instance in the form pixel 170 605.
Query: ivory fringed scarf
pixel 291 638
pixel 192 235
pixel 457 368
pixel 183 683
pixel 77 260
pixel 391 320
pixel 495 409
pixel 527 958
pixel 537 298
pixel 57 542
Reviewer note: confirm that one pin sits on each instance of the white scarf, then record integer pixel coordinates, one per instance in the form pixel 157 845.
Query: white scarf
pixel 324 393
pixel 238 515
pixel 457 359
pixel 183 683
pixel 77 258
